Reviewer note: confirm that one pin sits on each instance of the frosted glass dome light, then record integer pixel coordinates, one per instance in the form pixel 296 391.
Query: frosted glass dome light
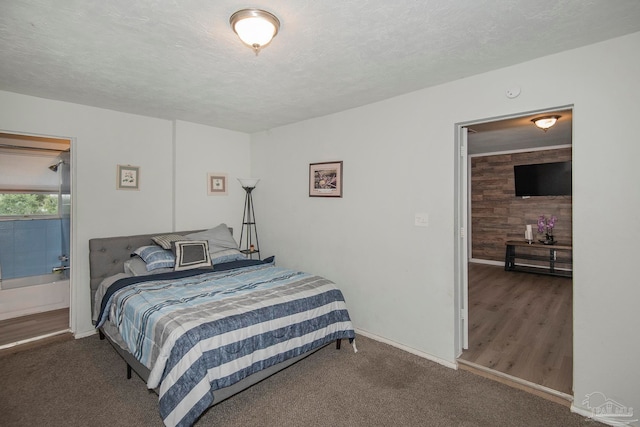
pixel 546 122
pixel 255 27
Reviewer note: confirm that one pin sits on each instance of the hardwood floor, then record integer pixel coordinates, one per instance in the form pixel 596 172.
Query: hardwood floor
pixel 34 325
pixel 520 324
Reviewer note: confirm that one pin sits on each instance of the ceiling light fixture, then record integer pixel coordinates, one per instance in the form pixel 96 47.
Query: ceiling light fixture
pixel 545 122
pixel 255 27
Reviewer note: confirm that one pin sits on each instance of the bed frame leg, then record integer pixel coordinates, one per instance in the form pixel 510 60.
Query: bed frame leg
pixel 101 335
pixel 338 342
pixel 128 371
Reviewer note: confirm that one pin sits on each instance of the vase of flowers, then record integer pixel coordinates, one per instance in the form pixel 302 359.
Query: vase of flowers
pixel 545 226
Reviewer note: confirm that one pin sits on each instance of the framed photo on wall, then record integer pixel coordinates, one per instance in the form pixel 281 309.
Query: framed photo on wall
pixel 325 179
pixel 217 184
pixel 128 177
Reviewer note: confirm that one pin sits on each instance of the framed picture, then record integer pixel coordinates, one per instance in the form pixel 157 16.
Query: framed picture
pixel 325 179
pixel 217 184
pixel 128 177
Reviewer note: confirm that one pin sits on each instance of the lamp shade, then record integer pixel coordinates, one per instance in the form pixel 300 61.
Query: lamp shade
pixel 248 182
pixel 255 27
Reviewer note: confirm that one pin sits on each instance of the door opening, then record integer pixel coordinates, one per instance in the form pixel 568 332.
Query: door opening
pixel 496 330
pixel 35 209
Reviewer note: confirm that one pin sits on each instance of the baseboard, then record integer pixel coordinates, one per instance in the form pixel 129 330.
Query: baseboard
pixel 486 261
pixel 85 334
pixel 515 382
pixel 418 353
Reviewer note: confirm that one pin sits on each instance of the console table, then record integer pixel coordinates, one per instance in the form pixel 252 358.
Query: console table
pixel 547 256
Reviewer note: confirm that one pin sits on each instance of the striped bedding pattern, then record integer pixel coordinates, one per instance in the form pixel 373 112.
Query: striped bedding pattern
pixel 210 330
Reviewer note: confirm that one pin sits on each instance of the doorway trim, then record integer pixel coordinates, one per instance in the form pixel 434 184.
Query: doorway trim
pixel 73 252
pixel 462 217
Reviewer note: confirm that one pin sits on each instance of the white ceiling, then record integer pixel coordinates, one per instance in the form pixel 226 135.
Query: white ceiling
pixel 181 60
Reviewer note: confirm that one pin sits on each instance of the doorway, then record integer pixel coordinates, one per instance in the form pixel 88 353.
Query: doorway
pixel 35 222
pixel 513 325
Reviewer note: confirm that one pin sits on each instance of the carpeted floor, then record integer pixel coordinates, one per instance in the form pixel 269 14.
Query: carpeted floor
pixel 83 383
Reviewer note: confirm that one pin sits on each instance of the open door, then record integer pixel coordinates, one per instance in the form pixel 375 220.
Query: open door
pixel 462 247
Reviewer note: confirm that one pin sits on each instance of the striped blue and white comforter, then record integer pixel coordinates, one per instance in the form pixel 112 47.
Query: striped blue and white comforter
pixel 210 330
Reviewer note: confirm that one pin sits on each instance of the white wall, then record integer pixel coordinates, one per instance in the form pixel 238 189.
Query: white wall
pixel 202 150
pixel 399 158
pixel 102 139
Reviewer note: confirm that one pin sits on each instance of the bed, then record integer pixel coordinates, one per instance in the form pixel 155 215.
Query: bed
pixel 198 334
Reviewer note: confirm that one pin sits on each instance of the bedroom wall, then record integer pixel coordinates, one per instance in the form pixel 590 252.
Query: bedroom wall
pixel 171 161
pixel 199 151
pixel 399 156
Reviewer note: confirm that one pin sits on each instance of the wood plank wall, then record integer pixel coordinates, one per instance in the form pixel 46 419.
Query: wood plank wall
pixel 497 215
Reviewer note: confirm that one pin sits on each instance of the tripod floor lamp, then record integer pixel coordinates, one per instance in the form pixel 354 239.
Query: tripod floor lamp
pixel 249 233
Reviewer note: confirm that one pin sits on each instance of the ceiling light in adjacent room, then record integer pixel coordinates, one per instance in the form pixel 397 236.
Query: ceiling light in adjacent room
pixel 255 27
pixel 545 122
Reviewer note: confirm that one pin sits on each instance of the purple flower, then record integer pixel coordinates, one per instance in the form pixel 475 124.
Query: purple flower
pixel 546 225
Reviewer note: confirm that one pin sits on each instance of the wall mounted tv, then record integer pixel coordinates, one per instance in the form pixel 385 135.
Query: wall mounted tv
pixel 543 179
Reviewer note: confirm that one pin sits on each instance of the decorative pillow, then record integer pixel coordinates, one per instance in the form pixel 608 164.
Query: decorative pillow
pixel 192 254
pixel 155 257
pixel 227 255
pixel 137 267
pixel 219 238
pixel 166 240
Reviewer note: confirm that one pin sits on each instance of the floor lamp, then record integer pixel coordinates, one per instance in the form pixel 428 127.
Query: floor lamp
pixel 248 245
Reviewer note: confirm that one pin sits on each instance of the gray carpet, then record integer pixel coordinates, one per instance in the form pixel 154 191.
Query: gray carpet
pixel 83 383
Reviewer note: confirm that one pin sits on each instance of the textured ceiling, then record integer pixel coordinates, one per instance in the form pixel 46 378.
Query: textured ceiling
pixel 180 59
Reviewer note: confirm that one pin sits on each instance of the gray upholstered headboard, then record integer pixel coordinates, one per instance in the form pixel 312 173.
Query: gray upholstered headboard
pixel 108 254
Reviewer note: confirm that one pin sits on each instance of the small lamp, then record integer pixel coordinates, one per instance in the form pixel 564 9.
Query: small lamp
pixel 248 183
pixel 249 220
pixel 255 27
pixel 545 122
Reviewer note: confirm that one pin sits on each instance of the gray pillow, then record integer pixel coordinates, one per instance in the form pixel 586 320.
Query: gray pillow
pixel 219 238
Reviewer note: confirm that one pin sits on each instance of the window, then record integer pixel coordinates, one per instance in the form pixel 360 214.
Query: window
pixel 30 182
pixel 28 204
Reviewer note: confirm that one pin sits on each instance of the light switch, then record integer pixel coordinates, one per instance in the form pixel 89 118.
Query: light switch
pixel 422 220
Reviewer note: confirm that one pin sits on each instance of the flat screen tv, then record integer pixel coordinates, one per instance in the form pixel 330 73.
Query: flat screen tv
pixel 543 179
